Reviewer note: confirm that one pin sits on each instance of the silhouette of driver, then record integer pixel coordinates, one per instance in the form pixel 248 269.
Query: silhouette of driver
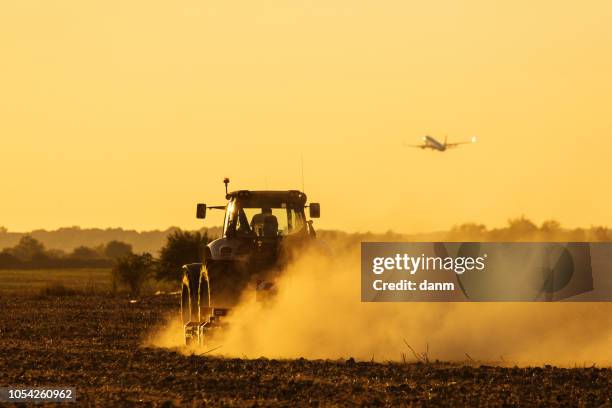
pixel 257 223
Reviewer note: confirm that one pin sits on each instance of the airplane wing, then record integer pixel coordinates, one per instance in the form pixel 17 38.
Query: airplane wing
pixel 449 145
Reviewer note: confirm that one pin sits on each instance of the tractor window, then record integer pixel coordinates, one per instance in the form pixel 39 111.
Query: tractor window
pixel 282 221
pixel 229 215
pixel 242 223
pixel 296 220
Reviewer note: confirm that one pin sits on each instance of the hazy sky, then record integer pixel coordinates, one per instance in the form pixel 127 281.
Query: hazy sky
pixel 127 113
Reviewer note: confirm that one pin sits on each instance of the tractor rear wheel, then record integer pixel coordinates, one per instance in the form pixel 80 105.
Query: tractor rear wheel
pixel 195 293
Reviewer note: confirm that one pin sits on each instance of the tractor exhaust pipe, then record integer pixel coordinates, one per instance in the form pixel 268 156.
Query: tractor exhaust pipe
pixel 226 182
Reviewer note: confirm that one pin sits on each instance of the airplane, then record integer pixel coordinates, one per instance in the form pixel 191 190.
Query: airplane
pixel 431 143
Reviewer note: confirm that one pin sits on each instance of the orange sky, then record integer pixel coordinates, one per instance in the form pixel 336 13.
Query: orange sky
pixel 126 113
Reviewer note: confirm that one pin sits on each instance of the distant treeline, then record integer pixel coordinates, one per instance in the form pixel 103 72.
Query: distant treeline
pixel 523 229
pixel 76 247
pixel 517 229
pixel 29 253
pixel 67 239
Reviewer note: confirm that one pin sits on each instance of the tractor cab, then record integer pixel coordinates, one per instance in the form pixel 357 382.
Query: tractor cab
pixel 265 214
pixel 256 223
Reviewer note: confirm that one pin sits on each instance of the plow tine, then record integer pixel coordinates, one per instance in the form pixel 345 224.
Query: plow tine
pixel 211 350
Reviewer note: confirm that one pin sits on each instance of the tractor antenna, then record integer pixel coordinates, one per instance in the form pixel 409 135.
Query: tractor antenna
pixel 302 163
pixel 226 182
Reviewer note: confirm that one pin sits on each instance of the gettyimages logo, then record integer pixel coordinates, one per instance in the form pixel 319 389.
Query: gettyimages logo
pixel 474 271
pixel 413 264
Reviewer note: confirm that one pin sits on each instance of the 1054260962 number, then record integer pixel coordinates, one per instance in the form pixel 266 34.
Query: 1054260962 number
pixel 39 394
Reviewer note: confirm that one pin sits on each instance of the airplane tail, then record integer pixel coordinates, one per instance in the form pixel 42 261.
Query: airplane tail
pixel 445 138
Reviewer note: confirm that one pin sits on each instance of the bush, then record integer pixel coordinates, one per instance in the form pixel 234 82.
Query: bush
pixel 8 260
pixel 28 248
pixel 182 247
pixel 117 249
pixel 84 252
pixel 133 270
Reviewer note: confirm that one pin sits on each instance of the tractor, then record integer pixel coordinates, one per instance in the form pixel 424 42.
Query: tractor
pixel 261 232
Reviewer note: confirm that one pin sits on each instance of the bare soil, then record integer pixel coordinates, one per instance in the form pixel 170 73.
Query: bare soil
pixel 94 343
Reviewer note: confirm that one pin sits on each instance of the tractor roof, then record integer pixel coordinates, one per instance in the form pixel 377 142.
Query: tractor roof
pixel 250 198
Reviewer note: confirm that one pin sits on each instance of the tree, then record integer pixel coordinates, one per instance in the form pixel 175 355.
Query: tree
pixel 521 228
pixel 182 247
pixel 28 248
pixel 133 270
pixel 551 226
pixel 468 231
pixel 117 249
pixel 600 234
pixel 84 252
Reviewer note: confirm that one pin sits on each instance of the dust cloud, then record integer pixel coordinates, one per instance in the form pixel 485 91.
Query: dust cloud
pixel 318 314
